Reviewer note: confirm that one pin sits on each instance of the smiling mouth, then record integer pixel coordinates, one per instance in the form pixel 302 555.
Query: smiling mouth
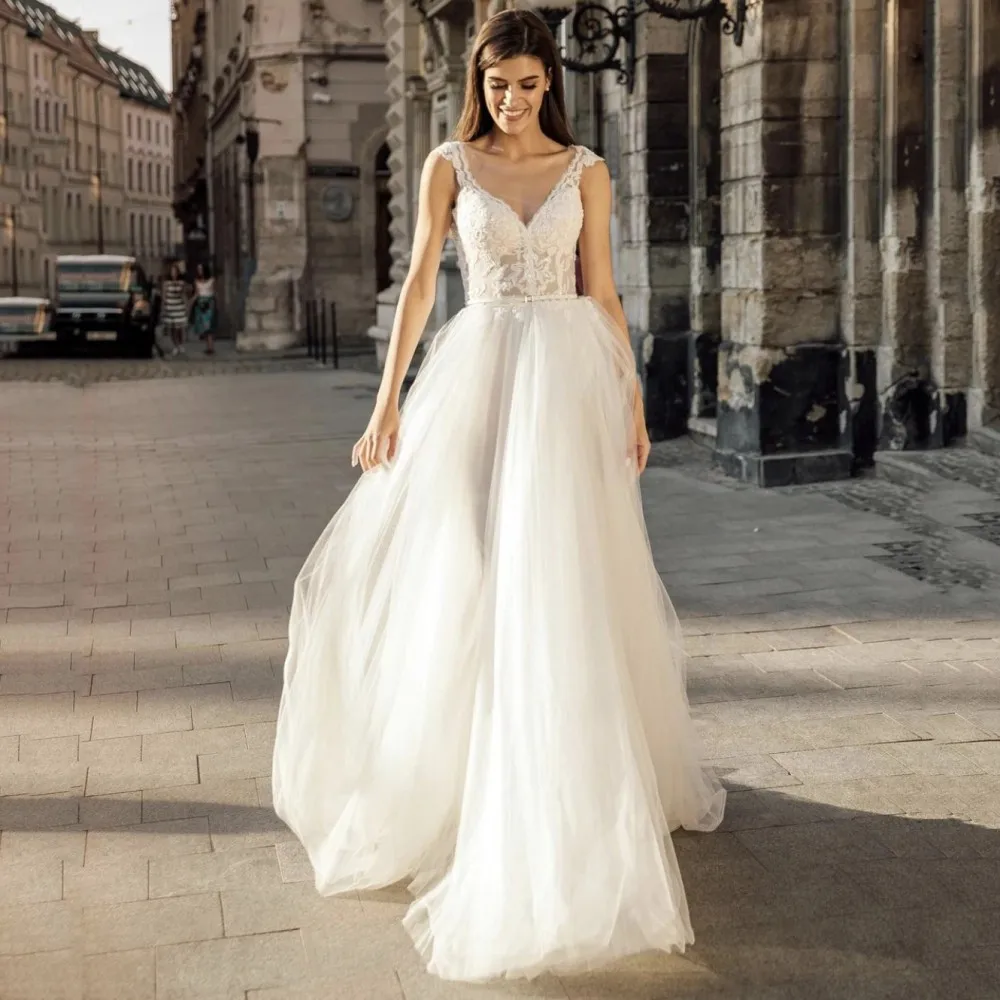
pixel 513 115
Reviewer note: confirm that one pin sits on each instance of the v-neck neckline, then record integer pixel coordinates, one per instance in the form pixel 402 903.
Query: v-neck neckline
pixel 474 182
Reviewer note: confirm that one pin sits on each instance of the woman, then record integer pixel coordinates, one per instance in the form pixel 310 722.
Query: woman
pixel 203 308
pixel 484 688
pixel 173 300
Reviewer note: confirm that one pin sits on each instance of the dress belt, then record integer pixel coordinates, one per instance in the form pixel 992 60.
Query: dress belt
pixel 515 299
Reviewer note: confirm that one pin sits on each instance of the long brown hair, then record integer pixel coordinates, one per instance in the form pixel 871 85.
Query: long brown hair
pixel 507 35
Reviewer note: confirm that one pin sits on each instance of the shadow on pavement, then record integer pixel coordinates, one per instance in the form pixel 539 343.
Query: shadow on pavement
pixel 792 899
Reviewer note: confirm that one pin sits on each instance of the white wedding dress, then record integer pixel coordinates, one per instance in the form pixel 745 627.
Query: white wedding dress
pixel 484 690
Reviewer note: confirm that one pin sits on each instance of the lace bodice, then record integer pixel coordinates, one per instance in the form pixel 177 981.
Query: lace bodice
pixel 501 256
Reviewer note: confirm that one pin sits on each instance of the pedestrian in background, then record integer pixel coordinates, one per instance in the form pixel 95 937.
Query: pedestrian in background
pixel 203 308
pixel 174 305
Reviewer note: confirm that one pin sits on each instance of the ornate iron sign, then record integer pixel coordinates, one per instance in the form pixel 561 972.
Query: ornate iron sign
pixel 600 31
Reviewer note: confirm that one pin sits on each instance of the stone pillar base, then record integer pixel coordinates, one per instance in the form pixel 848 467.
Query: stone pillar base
pixel 261 341
pixel 273 313
pixel 666 385
pixel 681 380
pixel 788 469
pixel 783 414
pixel 918 415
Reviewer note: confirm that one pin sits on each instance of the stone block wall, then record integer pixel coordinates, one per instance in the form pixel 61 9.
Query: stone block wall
pixel 782 406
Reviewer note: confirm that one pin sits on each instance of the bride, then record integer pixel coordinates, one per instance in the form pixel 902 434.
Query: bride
pixel 484 689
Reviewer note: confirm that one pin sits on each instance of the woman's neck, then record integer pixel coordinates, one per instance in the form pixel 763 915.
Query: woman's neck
pixel 517 147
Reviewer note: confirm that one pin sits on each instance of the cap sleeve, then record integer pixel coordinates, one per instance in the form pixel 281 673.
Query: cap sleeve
pixel 588 157
pixel 452 152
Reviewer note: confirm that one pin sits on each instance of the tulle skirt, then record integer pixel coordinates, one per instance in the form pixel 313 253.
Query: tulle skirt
pixel 484 690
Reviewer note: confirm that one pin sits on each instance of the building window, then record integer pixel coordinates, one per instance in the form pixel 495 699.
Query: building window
pixel 131 174
pixel 90 221
pixel 149 130
pixel 168 180
pixel 142 230
pixel 48 123
pixel 131 229
pixel 128 126
pixel 34 62
pixel 55 118
pixel 139 176
pixel 118 224
pixel 149 177
pixel 159 179
pixel 38 113
pixel 159 231
pixel 157 133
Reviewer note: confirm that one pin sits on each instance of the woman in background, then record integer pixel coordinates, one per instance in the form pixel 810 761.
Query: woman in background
pixel 203 308
pixel 174 306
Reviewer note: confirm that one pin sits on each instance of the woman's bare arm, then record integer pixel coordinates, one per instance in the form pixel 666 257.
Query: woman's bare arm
pixel 599 284
pixel 595 249
pixel 437 194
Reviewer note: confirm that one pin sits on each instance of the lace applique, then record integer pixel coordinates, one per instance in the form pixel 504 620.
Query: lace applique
pixel 499 255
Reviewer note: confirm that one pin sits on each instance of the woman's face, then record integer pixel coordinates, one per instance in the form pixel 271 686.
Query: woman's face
pixel 514 91
pixel 175 272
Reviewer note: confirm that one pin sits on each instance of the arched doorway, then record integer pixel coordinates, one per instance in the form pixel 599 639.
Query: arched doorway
pixel 383 257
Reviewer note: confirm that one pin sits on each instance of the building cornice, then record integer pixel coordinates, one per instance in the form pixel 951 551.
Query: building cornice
pixel 335 52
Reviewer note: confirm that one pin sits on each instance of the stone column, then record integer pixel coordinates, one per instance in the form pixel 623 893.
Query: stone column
pixel 948 313
pixel 402 34
pixel 446 86
pixel 782 412
pixel 984 209
pixel 904 378
pixel 655 252
pixel 861 288
pixel 706 222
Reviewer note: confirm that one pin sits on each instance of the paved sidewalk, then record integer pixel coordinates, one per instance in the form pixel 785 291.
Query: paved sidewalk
pixel 845 673
pixel 41 363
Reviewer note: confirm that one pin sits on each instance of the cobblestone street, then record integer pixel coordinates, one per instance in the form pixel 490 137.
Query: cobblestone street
pixel 845 674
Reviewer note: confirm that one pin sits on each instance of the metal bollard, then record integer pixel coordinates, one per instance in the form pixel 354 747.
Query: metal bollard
pixel 333 335
pixel 309 327
pixel 322 328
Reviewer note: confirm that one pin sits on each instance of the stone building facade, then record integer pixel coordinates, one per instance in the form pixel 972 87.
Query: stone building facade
pixel 63 185
pixel 296 171
pixel 190 114
pixel 806 227
pixel 146 152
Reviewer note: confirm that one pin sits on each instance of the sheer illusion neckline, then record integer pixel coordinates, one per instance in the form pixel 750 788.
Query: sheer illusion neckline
pixel 525 224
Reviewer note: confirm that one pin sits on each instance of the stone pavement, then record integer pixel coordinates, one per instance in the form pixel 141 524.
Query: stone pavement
pixel 41 363
pixel 845 673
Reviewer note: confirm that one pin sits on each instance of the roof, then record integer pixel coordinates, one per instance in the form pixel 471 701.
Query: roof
pixel 42 21
pixel 134 80
pixel 12 15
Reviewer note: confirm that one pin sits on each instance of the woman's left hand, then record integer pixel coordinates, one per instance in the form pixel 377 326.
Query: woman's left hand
pixel 640 440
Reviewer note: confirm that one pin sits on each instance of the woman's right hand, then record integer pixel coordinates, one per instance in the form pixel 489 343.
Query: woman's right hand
pixel 378 443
